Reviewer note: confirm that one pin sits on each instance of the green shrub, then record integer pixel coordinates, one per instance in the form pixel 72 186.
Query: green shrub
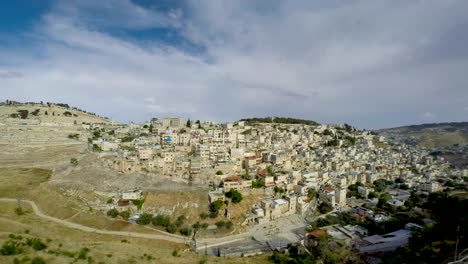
pixel 83 253
pixel 113 213
pixel 10 248
pixel 236 196
pixel 186 231
pixel 125 214
pixel 180 221
pixel 161 220
pixel 144 219
pixel 38 260
pixel 220 224
pixel 36 244
pixel 171 228
pixel 204 215
pixel 19 211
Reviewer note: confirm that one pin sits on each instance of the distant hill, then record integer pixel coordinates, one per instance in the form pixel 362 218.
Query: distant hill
pixel 447 140
pixel 46 113
pixel 430 135
pixel 280 120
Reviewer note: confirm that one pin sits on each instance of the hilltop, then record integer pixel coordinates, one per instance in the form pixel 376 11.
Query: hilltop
pixel 47 114
pixel 280 120
pixel 430 135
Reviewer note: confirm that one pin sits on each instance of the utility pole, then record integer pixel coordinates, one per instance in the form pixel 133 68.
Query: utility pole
pixel 456 244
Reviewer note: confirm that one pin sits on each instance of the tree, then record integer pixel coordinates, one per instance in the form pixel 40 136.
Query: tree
pixel 161 220
pixel 186 231
pixel 74 161
pixel 257 184
pixel 189 123
pixel 216 205
pixel 219 173
pixel 144 219
pixel 325 207
pixel 23 113
pixel 113 213
pixel 125 214
pixel 236 196
pixel 171 228
pixel 151 128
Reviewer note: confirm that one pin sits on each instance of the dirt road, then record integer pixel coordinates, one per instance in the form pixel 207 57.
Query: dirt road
pixel 38 212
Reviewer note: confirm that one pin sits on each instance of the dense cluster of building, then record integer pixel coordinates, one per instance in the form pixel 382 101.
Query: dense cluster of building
pixel 286 160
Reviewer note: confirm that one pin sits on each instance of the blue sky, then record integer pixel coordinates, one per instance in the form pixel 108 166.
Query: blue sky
pixel 373 64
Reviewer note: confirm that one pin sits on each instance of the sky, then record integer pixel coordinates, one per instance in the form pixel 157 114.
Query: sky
pixel 372 64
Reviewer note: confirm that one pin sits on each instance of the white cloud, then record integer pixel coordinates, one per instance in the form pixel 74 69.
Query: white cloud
pixel 371 63
pixel 429 115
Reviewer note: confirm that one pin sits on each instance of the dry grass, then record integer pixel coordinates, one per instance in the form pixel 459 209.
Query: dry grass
pixel 32 184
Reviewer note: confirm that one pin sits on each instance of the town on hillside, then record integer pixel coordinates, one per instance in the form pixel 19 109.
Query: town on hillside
pixel 268 183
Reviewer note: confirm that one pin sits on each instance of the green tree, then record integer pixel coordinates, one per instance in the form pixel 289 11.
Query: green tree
pixel 74 161
pixel 325 207
pixel 219 173
pixel 236 196
pixel 216 205
pixel 186 231
pixel 189 123
pixel 113 213
pixel 144 219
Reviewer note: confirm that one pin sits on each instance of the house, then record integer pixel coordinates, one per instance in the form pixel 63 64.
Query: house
pixel 236 183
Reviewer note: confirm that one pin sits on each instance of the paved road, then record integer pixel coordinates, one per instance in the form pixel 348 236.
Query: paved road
pixel 38 212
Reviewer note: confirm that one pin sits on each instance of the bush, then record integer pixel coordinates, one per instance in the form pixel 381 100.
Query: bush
pixel 10 248
pixel 139 203
pixel 257 184
pixel 110 200
pixel 186 231
pixel 180 221
pixel 113 213
pixel 215 206
pixel 236 196
pixel 83 253
pixel 171 228
pixel 38 260
pixel 204 215
pixel 67 114
pixel 161 220
pixel 35 112
pixel 36 244
pixel 19 211
pixel 23 113
pixel 175 253
pixel 229 224
pixel 144 219
pixel 73 161
pixel 125 214
pixel 325 207
pixel 220 224
pixel 219 173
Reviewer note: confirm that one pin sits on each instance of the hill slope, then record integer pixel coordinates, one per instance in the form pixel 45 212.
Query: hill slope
pixel 46 114
pixel 430 135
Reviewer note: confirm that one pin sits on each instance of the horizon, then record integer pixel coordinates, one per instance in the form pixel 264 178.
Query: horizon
pixel 372 65
pixel 185 119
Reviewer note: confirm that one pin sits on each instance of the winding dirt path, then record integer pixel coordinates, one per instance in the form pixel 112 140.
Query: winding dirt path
pixel 38 212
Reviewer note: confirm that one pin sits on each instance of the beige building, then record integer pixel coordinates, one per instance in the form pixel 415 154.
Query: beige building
pixel 173 122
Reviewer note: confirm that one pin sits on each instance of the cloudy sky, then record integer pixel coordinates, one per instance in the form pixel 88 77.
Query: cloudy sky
pixel 373 64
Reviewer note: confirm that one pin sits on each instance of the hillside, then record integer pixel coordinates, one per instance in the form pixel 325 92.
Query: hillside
pixel 430 135
pixel 279 120
pixel 447 140
pixel 46 114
